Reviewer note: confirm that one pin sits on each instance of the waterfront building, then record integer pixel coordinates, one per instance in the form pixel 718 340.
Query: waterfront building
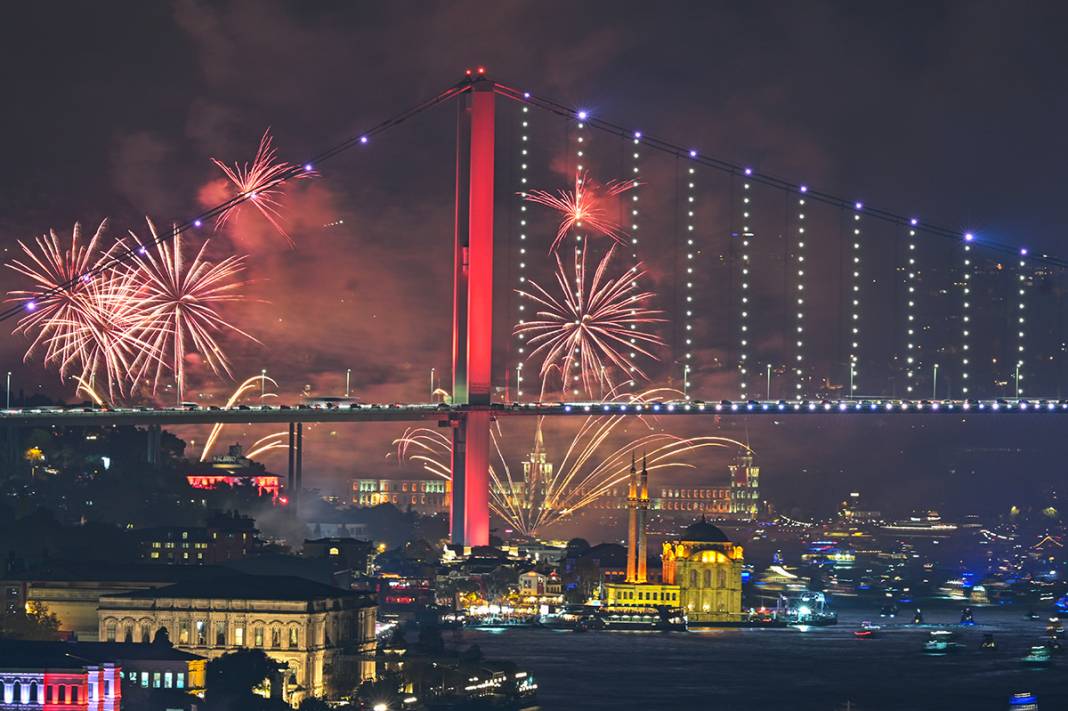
pixel 707 568
pixel 351 553
pixel 636 591
pixel 323 634
pixel 425 496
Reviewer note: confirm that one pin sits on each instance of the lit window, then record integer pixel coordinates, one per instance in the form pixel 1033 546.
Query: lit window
pixel 257 636
pixel 239 636
pixel 168 680
pixel 293 637
pixel 179 681
pixel 155 680
pixel 334 550
pixel 144 679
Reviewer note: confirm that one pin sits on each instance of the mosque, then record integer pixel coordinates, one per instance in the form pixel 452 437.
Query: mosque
pixel 701 570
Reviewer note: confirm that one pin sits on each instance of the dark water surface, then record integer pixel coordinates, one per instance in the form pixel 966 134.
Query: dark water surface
pixel 756 669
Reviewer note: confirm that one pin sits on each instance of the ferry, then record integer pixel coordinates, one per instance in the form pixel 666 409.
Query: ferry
pixel 805 608
pixel 662 619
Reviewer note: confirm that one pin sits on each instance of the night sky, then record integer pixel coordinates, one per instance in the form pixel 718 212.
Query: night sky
pixel 954 111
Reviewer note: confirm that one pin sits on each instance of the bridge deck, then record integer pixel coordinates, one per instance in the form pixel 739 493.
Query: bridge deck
pixel 411 412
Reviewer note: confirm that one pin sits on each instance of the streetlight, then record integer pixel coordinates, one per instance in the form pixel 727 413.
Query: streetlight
pixel 263 384
pixel 852 375
pixel 686 381
pixel 934 383
pixel 9 389
pixel 432 384
pixel 1017 381
pixel 768 396
pixel 518 380
pixel 348 379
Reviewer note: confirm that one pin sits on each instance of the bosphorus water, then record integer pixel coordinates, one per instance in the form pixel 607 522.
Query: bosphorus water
pixel 820 669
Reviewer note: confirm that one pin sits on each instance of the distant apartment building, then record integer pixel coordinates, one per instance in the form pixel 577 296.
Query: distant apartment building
pixel 224 537
pixel 323 634
pixel 426 496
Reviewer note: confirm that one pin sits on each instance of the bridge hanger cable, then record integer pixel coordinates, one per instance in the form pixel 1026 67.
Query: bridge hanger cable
pixel 301 168
pixel 726 166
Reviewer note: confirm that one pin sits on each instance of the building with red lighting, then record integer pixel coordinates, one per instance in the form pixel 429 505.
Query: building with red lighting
pixel 235 470
pixel 48 678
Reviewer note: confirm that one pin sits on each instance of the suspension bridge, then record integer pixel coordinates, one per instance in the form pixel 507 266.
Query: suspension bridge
pixel 825 305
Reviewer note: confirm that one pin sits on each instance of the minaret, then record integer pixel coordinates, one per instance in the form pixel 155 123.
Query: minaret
pixel 643 515
pixel 632 523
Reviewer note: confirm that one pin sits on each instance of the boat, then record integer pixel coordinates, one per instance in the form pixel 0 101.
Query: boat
pixel 917 619
pixel 889 610
pixel 966 617
pixel 1055 630
pixel 940 643
pixel 867 630
pixel 663 619
pixel 1032 615
pixel 988 644
pixel 1038 656
pixel 805 608
pixel 1054 645
pixel 1023 701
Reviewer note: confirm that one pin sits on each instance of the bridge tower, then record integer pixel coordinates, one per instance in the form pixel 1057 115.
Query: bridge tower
pixel 472 324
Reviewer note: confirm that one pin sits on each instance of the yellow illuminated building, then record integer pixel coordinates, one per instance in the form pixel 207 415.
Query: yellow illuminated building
pixel 707 569
pixel 637 591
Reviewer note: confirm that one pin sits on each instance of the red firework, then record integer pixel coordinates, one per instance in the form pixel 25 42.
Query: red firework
pixel 85 321
pixel 584 207
pixel 587 325
pixel 178 300
pixel 262 183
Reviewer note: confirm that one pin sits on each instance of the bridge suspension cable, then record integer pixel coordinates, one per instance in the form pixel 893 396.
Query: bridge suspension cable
pixel 120 257
pixel 727 166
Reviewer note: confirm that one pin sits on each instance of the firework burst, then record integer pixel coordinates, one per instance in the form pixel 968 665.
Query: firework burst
pixel 179 302
pixel 587 324
pixel 261 182
pixel 547 492
pixel 81 317
pixel 583 207
pixel 250 384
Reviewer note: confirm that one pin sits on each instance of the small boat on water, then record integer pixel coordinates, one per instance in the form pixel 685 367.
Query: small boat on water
pixel 1032 615
pixel 917 619
pixel 966 617
pixel 988 644
pixel 1038 656
pixel 867 630
pixel 1023 701
pixel 941 642
pixel 1054 628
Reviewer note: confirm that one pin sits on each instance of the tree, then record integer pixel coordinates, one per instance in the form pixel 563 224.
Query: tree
pixel 234 675
pixel 32 622
pixel 313 704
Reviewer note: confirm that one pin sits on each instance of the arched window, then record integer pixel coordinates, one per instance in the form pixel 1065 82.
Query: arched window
pixel 722 578
pixel 17 697
pixel 708 578
pixel 127 632
pixel 693 578
pixel 74 694
pixel 109 630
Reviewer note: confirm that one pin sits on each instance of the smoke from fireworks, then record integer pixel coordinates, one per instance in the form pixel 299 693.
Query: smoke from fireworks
pixel 549 491
pixel 179 302
pixel 87 320
pixel 261 182
pixel 588 323
pixel 584 207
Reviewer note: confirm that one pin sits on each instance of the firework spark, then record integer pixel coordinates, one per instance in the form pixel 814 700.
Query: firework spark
pixel 544 495
pixel 179 302
pixel 588 323
pixel 261 182
pixel 583 207
pixel 243 389
pixel 85 323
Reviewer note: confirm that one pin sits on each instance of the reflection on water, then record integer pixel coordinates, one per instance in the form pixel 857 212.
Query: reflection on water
pixel 819 668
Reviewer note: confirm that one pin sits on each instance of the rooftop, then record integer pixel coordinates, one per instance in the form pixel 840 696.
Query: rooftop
pixel 15 652
pixel 243 587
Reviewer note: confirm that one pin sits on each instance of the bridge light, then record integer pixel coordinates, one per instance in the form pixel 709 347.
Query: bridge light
pixel 693 154
pixel 914 222
pixel 637 134
pixel 748 171
pixel 363 139
pixel 582 114
pixel 968 236
pixel 197 223
pixel 858 206
pixel 307 167
pixel 31 305
pixel 1023 251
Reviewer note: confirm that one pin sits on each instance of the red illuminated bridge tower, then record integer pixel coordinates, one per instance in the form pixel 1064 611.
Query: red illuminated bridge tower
pixel 472 320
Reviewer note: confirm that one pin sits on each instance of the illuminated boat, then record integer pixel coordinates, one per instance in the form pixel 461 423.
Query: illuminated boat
pixel 940 643
pixel 867 630
pixel 1038 656
pixel 1023 701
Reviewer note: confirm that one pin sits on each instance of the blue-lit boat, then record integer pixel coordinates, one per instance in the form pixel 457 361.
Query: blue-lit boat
pixel 1038 656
